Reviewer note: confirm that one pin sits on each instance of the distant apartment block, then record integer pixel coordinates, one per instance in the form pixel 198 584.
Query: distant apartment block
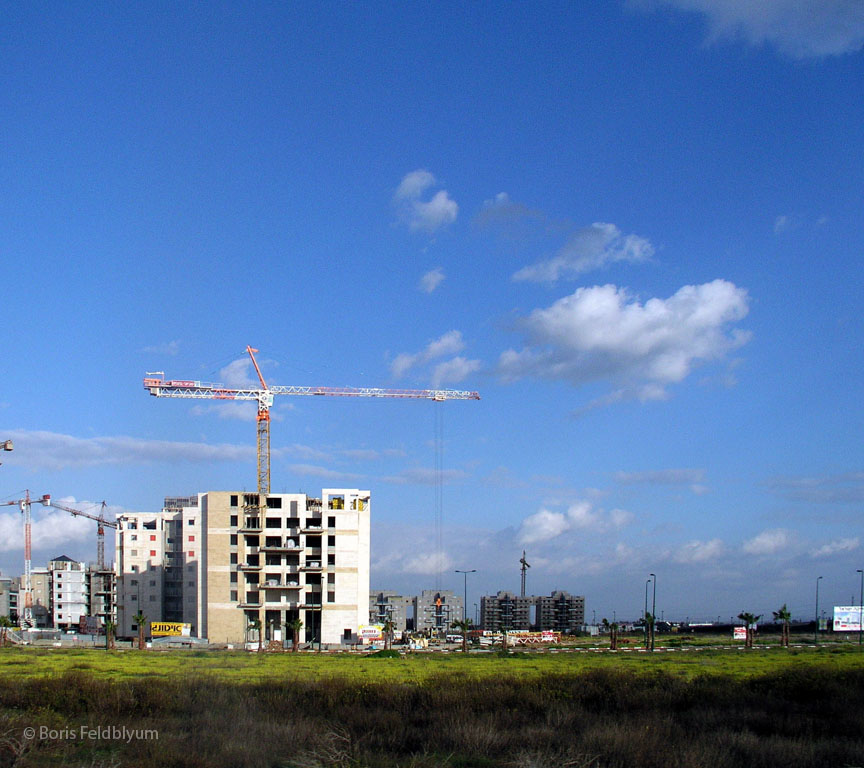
pixel 390 606
pixel 222 561
pixel 559 612
pixel 432 611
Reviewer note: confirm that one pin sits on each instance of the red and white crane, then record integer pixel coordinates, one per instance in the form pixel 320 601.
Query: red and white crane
pixel 102 524
pixel 264 396
pixel 25 617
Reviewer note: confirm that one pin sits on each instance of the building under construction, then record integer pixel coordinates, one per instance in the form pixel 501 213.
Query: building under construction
pixel 225 561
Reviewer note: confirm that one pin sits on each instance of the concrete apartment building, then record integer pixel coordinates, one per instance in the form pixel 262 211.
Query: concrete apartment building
pixel 216 562
pixel 559 612
pixel 431 612
pixel 7 603
pixel 391 606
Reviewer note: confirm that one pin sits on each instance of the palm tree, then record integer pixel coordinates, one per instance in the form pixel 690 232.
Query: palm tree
pixel 255 625
pixel 464 626
pixel 140 620
pixel 295 625
pixel 749 620
pixel 110 630
pixel 784 616
pixel 5 625
pixel 388 628
pixel 650 621
pixel 612 629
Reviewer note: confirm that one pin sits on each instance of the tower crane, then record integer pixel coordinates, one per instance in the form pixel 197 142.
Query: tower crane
pixel 100 529
pixel 25 619
pixel 264 395
pixel 525 566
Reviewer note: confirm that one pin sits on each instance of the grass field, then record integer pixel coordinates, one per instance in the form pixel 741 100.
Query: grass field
pixel 414 667
pixel 714 708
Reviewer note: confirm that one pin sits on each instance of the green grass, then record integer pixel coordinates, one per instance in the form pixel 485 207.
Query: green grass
pixel 252 667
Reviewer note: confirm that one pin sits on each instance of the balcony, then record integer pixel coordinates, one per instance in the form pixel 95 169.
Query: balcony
pixel 289 545
pixel 252 600
pixel 310 527
pixel 312 565
pixel 312 600
pixel 251 525
pixel 249 567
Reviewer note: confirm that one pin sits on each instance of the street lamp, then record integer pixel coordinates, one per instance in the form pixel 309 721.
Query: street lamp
pixel 860 605
pixel 465 604
pixel 653 608
pixel 816 630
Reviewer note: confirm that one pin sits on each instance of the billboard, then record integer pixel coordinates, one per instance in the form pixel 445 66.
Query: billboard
pixel 847 618
pixel 170 629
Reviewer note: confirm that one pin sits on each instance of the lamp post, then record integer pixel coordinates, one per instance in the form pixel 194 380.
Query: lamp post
pixel 860 606
pixel 653 607
pixel 816 630
pixel 465 604
pixel 645 612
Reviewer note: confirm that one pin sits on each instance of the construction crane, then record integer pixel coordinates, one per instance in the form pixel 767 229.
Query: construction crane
pixel 25 618
pixel 102 523
pixel 264 396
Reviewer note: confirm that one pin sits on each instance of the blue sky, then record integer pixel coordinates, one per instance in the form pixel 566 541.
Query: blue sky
pixel 634 227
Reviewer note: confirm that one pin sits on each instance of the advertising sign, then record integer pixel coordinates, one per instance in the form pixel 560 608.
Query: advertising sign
pixel 847 618
pixel 370 633
pixel 170 629
pixel 739 633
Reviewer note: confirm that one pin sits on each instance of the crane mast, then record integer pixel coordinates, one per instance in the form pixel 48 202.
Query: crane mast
pixel 25 619
pixel 156 384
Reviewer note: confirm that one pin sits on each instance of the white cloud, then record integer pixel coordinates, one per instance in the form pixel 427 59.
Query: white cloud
pixel 768 542
pixel 833 547
pixel 699 551
pixel 168 348
pixel 55 451
pixel 798 28
pixel 603 333
pixel 453 371
pixel 427 215
pixel 782 224
pixel 428 564
pixel 844 488
pixel 587 249
pixel 546 524
pixel 431 280
pixel 413 185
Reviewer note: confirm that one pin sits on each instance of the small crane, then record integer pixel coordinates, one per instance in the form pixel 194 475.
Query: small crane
pixel 158 387
pixel 525 567
pixel 100 529
pixel 25 618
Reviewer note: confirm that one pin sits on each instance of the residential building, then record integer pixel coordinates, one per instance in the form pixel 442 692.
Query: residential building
pixel 69 592
pixel 436 610
pixel 141 542
pixel 560 612
pixel 390 606
pixel 6 597
pixel 101 591
pixel 40 584
pixel 222 561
